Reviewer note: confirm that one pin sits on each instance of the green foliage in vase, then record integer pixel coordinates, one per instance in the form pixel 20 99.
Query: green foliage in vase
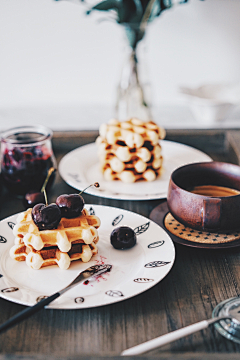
pixel 133 14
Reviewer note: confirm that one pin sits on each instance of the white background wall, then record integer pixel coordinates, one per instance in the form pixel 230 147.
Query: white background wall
pixel 53 55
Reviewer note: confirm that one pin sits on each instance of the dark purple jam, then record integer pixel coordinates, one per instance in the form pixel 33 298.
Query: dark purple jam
pixel 25 168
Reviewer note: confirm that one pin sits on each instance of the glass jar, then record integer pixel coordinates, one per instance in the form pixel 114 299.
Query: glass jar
pixel 26 157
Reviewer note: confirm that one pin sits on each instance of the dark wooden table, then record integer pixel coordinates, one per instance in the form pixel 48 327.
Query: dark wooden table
pixel 198 281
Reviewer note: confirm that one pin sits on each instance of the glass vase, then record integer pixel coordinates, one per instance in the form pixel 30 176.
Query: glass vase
pixel 134 89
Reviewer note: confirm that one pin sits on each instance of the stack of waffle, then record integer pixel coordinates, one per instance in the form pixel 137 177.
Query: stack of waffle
pixel 73 239
pixel 130 151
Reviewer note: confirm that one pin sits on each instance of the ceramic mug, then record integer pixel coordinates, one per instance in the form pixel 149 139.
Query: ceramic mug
pixel 205 212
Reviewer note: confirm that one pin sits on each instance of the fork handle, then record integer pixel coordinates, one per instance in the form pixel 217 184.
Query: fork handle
pixel 22 315
pixel 167 338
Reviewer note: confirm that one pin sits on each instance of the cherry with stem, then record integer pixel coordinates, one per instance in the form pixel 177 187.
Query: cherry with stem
pixel 43 189
pixel 46 217
pixel 72 205
pixel 34 197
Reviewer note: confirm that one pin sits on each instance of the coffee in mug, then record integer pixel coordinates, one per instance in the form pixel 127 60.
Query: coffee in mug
pixel 214 191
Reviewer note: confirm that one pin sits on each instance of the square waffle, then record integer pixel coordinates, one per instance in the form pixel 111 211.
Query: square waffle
pixel 51 255
pixel 83 227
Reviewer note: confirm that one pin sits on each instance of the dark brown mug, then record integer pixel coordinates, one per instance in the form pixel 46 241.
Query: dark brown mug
pixel 204 212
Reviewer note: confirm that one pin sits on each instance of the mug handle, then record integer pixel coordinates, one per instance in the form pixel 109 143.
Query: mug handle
pixel 211 214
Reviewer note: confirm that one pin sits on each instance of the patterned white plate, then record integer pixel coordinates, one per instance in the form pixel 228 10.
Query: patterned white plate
pixel 80 168
pixel 133 271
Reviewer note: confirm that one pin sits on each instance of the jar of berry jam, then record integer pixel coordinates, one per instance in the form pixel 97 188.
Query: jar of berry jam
pixel 26 157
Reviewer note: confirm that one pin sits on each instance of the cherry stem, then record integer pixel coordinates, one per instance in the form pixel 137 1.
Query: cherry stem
pixel 96 184
pixel 43 189
pixel 45 196
pixel 50 171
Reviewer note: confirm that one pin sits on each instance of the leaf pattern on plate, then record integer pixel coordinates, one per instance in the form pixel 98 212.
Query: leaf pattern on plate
pixel 41 297
pixel 11 224
pixel 3 240
pixel 75 177
pixel 156 244
pixel 142 228
pixel 143 280
pixel 79 300
pixel 117 220
pixel 91 211
pixel 114 293
pixel 10 289
pixel 158 263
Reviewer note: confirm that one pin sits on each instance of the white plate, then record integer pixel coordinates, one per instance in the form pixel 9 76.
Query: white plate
pixel 80 168
pixel 133 271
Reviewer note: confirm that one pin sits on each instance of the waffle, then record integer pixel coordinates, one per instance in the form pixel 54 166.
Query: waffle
pixel 130 151
pixel 133 132
pixel 122 157
pixel 83 227
pixel 125 154
pixel 131 176
pixel 136 166
pixel 51 255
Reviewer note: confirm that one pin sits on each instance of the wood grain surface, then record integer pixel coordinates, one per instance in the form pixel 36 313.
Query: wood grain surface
pixel 198 281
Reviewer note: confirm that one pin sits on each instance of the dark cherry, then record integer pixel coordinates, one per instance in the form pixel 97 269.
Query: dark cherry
pixel 70 205
pixel 16 154
pixel 33 198
pixel 123 237
pixel 46 217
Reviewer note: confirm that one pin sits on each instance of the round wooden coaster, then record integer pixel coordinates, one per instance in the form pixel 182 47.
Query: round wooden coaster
pixel 186 233
pixel 158 215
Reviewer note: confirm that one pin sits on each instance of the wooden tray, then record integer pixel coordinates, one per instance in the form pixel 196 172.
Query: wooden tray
pixel 198 281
